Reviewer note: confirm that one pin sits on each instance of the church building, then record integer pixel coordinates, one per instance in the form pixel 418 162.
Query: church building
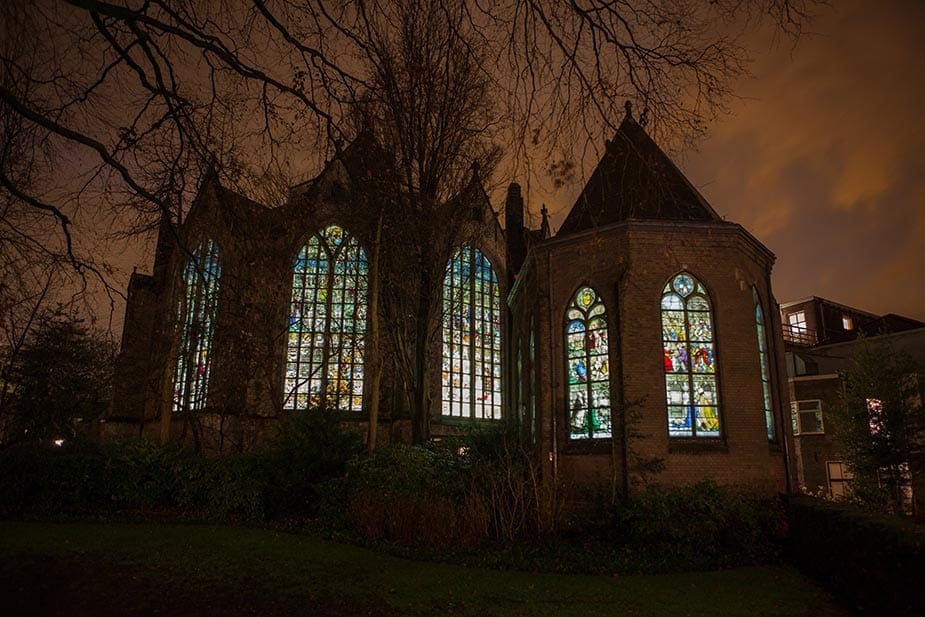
pixel 640 343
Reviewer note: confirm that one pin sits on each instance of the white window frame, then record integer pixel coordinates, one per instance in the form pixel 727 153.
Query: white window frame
pixel 845 477
pixel 796 413
pixel 797 319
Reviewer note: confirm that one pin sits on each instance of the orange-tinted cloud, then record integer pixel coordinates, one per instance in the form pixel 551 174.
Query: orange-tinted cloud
pixel 824 159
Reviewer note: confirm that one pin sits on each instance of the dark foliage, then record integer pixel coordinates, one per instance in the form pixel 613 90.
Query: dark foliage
pixel 140 476
pixel 874 562
pixel 414 495
pixel 61 379
pixel 312 448
pixel 879 424
pixel 476 501
pixel 701 526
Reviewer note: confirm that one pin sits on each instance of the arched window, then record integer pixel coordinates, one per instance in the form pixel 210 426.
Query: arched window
pixel 471 380
pixel 197 311
pixel 588 366
pixel 327 323
pixel 689 357
pixel 763 360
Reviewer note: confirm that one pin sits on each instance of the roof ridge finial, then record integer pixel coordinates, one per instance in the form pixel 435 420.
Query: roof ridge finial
pixel 544 224
pixel 629 109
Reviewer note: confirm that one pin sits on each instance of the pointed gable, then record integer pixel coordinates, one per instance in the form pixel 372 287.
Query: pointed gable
pixel 635 180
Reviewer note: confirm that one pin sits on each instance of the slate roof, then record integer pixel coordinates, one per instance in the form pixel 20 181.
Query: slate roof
pixel 635 180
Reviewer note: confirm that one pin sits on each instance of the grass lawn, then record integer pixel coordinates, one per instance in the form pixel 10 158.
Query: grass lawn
pixel 185 570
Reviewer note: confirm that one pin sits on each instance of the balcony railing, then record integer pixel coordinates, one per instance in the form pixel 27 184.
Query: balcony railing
pixel 798 335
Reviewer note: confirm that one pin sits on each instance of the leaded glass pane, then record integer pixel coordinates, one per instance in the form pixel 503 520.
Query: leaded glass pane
pixel 327 323
pixel 683 284
pixel 701 356
pixel 676 357
pixel 698 303
pixel 587 363
pixel 689 359
pixel 197 311
pixel 678 389
pixel 700 326
pixel 763 362
pixel 679 421
pixel 707 422
pixel 471 367
pixel 672 302
pixel 673 326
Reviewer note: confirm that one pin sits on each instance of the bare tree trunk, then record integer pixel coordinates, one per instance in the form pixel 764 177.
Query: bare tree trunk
pixel 420 421
pixel 166 405
pixel 374 353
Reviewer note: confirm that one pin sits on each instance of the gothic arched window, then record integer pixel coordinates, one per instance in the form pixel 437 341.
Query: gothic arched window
pixel 690 359
pixel 588 366
pixel 471 379
pixel 197 310
pixel 763 360
pixel 327 323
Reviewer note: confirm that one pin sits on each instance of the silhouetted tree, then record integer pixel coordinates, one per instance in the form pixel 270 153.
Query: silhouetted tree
pixel 61 377
pixel 880 423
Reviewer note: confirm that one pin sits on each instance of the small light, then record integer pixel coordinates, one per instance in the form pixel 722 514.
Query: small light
pixel 59 442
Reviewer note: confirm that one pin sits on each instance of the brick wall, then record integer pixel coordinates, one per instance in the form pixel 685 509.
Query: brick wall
pixel 629 265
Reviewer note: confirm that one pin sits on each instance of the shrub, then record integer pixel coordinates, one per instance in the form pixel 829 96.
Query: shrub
pixel 311 449
pixel 415 495
pixel 700 526
pixel 143 474
pixel 873 561
pixel 42 479
pixel 505 476
pixel 91 477
pixel 282 480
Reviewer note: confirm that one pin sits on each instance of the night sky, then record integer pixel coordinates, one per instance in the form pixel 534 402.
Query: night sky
pixel 822 158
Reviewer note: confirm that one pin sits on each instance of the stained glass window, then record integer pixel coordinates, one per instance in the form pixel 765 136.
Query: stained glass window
pixel 471 379
pixel 327 323
pixel 689 358
pixel 588 366
pixel 196 312
pixel 763 359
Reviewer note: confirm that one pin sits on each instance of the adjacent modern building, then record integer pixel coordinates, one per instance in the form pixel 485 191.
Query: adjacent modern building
pixel 821 339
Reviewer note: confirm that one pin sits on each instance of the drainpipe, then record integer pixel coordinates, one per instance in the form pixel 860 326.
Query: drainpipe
pixel 554 373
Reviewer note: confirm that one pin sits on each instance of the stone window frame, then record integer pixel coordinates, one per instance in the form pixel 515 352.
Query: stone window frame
pixel 288 403
pixel 195 340
pixel 572 298
pixel 711 441
pixel 490 411
pixel 764 362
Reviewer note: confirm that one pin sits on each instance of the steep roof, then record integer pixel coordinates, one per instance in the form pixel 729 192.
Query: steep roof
pixel 635 180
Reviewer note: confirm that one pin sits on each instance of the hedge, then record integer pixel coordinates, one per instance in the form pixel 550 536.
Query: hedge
pixel 874 562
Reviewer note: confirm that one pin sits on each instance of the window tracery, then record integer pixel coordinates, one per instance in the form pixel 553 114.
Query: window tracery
pixel 196 312
pixel 763 360
pixel 689 359
pixel 471 367
pixel 327 323
pixel 588 366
